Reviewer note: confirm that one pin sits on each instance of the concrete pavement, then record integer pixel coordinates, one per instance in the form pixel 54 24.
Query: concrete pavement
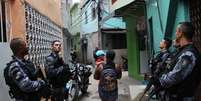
pixel 129 89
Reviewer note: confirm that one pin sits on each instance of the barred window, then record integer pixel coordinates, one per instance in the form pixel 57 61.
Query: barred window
pixel 114 40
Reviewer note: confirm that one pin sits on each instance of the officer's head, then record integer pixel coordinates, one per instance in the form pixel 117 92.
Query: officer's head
pixel 18 47
pixel 165 43
pixel 56 46
pixel 185 30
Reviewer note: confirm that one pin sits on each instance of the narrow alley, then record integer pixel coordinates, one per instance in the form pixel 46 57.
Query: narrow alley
pixel 49 47
pixel 124 93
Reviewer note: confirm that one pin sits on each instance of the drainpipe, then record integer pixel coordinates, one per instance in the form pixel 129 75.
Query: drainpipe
pixel 99 25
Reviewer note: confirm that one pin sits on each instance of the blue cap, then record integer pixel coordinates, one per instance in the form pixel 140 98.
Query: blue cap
pixel 100 53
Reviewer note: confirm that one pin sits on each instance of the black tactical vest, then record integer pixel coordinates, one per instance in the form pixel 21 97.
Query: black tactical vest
pixel 187 87
pixel 58 81
pixel 15 91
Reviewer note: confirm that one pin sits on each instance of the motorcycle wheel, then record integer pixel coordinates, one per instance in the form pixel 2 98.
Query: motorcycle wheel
pixel 85 87
pixel 74 94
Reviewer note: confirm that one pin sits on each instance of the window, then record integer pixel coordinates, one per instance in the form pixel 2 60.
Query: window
pixel 3 37
pixel 114 41
pixel 86 19
pixel 93 11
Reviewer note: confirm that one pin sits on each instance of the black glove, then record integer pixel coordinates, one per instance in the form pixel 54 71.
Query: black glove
pixel 155 81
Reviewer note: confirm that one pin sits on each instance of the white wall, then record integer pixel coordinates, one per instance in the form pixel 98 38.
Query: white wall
pixel 119 53
pixel 5 57
pixel 92 44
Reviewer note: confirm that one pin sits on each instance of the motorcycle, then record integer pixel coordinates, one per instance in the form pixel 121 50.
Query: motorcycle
pixel 84 73
pixel 80 81
pixel 72 87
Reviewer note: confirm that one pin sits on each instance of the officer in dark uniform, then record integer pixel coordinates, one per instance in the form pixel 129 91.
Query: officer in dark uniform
pixel 58 73
pixel 158 65
pixel 160 60
pixel 182 81
pixel 20 74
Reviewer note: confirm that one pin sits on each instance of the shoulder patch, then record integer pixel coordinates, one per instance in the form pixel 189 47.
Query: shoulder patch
pixel 14 64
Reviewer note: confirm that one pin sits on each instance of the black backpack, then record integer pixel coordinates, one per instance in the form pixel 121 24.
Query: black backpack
pixel 108 78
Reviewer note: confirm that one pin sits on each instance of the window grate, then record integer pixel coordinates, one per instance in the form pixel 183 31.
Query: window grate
pixel 40 32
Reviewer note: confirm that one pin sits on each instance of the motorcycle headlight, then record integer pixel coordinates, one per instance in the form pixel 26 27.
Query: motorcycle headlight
pixel 81 68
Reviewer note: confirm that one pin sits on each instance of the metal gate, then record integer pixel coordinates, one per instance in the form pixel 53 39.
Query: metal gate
pixel 195 16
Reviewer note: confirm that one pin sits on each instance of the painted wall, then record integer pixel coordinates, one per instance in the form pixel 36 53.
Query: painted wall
pixel 86 13
pixel 132 46
pixel 92 43
pixel 16 14
pixel 111 22
pixel 153 13
pixel 114 23
pixel 118 4
pixel 5 57
pixel 182 15
pixel 45 6
pixel 65 13
pixel 119 53
pixel 75 19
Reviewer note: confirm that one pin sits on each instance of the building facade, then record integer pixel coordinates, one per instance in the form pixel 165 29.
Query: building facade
pixel 75 27
pixel 67 36
pixel 113 32
pixel 89 29
pixel 148 22
pixel 133 14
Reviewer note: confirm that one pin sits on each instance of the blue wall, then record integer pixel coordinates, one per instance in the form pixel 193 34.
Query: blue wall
pixel 164 6
pixel 113 22
pixel 92 25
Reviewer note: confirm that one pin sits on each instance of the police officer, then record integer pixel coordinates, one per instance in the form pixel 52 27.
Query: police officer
pixel 57 71
pixel 182 81
pixel 159 60
pixel 20 74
